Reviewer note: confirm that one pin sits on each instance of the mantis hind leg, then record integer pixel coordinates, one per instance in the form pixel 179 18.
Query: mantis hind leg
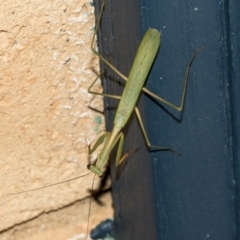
pixel 152 147
pixel 180 107
pixel 95 51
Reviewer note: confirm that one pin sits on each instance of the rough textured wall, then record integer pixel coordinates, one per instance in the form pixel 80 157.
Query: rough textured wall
pixel 46 67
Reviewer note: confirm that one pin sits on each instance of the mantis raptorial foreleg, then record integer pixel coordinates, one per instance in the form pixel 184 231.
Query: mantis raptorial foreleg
pixel 102 138
pixel 98 143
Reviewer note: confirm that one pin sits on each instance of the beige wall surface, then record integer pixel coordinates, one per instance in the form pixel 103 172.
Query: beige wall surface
pixel 46 67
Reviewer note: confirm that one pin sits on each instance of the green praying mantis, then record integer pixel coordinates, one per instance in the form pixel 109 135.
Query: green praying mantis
pixel 143 61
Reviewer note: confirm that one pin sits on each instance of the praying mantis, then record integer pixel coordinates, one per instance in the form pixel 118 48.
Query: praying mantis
pixel 142 64
pixel 150 45
pixel 143 61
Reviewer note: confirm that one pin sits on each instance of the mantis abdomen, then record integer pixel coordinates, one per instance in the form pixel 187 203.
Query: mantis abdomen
pixel 143 61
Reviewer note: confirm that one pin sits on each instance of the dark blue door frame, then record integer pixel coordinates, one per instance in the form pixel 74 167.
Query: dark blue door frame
pixel 160 195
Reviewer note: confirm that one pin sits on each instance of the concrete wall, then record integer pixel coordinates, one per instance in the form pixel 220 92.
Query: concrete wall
pixel 46 67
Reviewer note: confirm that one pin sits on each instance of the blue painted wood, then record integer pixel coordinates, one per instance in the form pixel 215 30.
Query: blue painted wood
pixel 161 195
